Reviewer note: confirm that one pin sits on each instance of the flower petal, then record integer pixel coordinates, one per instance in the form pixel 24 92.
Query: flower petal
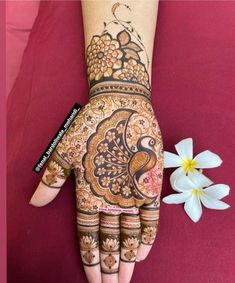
pixel 183 183
pixel 218 191
pixel 207 159
pixel 176 174
pixel 199 179
pixel 185 148
pixel 193 208
pixel 171 160
pixel 176 198
pixel 213 203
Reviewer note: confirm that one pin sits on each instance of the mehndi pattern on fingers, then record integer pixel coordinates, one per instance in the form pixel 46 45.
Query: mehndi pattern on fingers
pixel 149 215
pixel 130 236
pixel 88 236
pixel 110 243
pixel 56 172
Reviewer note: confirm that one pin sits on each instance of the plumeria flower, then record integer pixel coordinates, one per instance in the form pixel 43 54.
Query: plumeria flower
pixel 194 190
pixel 185 161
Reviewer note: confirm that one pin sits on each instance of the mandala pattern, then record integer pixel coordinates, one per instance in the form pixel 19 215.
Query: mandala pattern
pixel 103 56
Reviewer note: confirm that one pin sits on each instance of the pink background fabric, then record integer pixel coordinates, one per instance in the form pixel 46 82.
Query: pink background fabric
pixel 193 96
pixel 20 16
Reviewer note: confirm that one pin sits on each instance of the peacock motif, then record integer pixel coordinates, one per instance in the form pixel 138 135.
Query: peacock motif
pixel 116 172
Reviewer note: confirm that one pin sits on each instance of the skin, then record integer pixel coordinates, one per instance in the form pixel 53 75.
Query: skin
pixel 117 108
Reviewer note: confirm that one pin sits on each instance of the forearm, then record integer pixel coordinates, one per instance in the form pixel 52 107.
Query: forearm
pixel 130 29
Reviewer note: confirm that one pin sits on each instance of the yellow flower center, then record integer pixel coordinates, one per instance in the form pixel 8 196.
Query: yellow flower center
pixel 197 192
pixel 188 165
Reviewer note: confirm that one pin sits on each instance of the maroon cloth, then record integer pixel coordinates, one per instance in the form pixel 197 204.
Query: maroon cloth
pixel 193 96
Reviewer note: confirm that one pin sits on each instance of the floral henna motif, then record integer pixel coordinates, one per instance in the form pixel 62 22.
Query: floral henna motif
pixel 131 244
pixel 109 251
pixel 149 234
pixel 87 244
pixel 110 261
pixel 103 56
pixel 133 71
pixel 149 215
pixel 130 235
pixel 88 236
pixel 117 58
pixel 110 245
pixel 56 172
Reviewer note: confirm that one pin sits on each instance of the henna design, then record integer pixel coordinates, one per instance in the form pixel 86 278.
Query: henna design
pixel 87 244
pixel 115 148
pixel 117 179
pixel 110 238
pixel 149 234
pixel 88 236
pixel 149 215
pixel 131 244
pixel 117 58
pixel 56 172
pixel 130 236
pixel 126 25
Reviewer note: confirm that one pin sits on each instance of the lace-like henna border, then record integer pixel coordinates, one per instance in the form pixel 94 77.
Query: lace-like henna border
pixel 111 87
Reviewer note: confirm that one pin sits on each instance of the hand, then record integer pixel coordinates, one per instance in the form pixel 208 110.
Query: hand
pixel 115 148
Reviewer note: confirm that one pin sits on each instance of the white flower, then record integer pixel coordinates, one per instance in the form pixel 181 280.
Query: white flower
pixel 185 161
pixel 193 192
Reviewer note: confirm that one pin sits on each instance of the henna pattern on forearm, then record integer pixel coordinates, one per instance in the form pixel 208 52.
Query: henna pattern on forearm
pixel 117 58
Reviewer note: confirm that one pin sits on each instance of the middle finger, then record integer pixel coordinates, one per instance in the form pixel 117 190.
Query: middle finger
pixel 109 247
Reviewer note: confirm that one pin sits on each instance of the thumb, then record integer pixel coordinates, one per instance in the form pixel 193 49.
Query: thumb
pixel 60 164
pixel 52 180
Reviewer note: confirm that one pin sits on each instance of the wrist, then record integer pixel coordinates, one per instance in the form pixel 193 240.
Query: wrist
pixel 122 88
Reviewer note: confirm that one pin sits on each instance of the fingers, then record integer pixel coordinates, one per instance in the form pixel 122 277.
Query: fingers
pixel 149 215
pixel 88 237
pixel 43 195
pixel 52 180
pixel 130 240
pixel 109 247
